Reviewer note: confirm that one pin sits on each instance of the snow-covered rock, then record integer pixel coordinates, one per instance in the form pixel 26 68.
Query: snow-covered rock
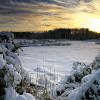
pixel 10 93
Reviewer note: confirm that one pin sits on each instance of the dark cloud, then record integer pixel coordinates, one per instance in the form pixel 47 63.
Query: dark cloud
pixel 59 2
pixel 36 12
pixel 17 7
pixel 25 1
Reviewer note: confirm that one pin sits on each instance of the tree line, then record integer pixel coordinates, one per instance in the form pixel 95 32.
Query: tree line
pixel 71 34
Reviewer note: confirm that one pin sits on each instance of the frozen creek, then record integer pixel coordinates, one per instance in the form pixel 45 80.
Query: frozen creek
pixel 56 61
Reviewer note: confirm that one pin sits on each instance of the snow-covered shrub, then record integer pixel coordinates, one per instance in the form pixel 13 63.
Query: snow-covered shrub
pixel 90 87
pixel 16 73
pixel 80 70
pixel 11 71
pixel 82 84
pixel 96 63
pixel 89 90
pixel 70 82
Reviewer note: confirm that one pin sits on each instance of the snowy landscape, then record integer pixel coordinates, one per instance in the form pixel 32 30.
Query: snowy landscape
pixel 49 49
pixel 62 70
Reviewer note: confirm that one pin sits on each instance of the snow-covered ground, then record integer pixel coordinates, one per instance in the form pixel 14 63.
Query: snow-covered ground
pixel 57 61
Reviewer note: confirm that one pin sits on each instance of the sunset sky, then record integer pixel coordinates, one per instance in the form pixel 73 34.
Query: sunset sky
pixel 40 15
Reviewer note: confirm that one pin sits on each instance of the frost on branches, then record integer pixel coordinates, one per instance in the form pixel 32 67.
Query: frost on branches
pixel 82 84
pixel 11 71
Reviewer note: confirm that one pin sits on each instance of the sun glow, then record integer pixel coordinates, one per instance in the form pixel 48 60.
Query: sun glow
pixel 94 25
